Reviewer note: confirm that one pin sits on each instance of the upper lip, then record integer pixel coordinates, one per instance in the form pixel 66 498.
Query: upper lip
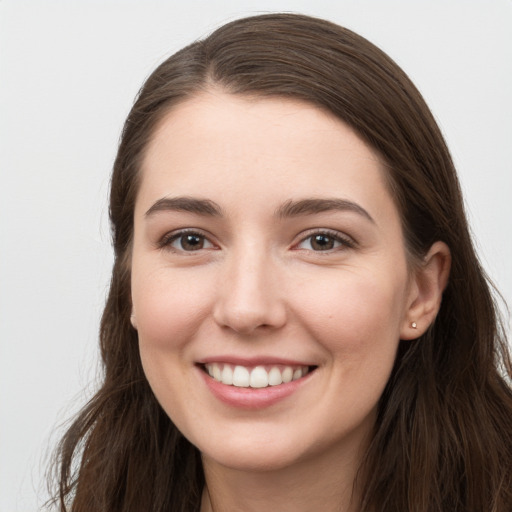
pixel 254 361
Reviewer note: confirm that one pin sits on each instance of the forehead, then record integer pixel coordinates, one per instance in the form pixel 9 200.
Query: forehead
pixel 239 147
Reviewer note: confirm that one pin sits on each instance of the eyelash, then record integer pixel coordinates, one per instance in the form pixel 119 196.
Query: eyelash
pixel 344 241
pixel 167 240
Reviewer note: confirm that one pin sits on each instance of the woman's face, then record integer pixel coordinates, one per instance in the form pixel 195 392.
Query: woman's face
pixel 266 248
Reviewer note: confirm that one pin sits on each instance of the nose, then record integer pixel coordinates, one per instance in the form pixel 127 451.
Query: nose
pixel 250 298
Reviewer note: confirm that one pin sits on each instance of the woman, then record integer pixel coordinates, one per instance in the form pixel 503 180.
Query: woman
pixel 297 319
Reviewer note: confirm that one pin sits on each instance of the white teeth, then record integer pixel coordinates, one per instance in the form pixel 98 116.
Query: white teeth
pixel 258 377
pixel 287 374
pixel 241 377
pixel 216 371
pixel 274 377
pixel 227 375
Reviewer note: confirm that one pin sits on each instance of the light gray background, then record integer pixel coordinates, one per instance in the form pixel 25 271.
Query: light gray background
pixel 69 71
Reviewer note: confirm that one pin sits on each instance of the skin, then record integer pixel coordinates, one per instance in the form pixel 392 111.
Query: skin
pixel 259 287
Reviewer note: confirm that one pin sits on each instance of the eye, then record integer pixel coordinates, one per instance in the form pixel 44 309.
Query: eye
pixel 187 241
pixel 324 241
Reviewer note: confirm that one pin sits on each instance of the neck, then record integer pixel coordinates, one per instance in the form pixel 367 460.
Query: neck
pixel 325 484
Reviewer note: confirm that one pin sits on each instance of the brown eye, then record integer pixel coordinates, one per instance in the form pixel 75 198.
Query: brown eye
pixel 191 242
pixel 324 241
pixel 188 242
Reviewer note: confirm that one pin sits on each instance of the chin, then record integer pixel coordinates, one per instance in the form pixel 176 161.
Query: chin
pixel 253 460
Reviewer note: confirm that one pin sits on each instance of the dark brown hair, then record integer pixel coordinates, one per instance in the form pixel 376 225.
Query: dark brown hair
pixel 443 439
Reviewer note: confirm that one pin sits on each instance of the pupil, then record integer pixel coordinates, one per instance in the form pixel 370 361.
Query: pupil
pixel 323 242
pixel 192 242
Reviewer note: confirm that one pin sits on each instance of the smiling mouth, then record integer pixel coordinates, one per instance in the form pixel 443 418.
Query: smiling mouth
pixel 255 377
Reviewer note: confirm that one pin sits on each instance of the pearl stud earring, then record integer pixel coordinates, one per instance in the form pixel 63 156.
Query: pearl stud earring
pixel 414 325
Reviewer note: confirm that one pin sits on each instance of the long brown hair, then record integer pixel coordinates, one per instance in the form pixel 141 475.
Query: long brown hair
pixel 443 439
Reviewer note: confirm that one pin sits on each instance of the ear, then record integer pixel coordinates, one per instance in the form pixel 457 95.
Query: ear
pixel 133 320
pixel 428 282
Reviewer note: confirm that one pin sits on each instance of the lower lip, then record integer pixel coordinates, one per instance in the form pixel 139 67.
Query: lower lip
pixel 252 398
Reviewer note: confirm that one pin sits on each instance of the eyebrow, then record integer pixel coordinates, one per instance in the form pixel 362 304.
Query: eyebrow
pixel 186 204
pixel 290 208
pixel 311 206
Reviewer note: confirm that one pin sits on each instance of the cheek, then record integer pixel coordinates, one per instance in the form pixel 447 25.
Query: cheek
pixel 356 319
pixel 354 312
pixel 169 307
